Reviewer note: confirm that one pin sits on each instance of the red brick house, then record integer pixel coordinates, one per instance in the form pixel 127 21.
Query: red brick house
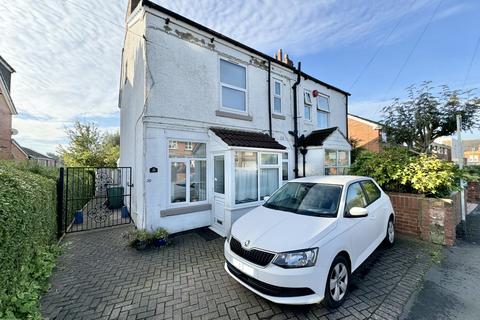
pixel 367 133
pixel 7 110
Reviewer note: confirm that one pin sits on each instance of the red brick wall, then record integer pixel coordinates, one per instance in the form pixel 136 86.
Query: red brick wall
pixel 473 192
pixel 430 219
pixel 365 134
pixel 5 130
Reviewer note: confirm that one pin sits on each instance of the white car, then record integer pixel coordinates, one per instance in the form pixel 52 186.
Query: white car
pixel 302 245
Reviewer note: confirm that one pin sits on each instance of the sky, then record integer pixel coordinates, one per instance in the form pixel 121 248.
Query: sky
pixel 66 53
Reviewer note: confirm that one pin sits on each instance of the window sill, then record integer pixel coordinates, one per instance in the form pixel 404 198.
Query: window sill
pixel 278 116
pixel 185 210
pixel 233 115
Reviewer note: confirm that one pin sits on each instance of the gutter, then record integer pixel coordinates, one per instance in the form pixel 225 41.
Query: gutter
pixel 294 133
pixel 270 97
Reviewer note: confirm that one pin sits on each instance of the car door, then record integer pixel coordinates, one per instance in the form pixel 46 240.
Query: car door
pixel 361 229
pixel 376 209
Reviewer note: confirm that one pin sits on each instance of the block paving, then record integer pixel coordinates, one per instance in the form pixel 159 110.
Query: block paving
pixel 99 277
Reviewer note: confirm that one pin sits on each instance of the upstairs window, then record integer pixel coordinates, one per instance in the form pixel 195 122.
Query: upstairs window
pixel 277 97
pixel 307 101
pixel 323 111
pixel 233 81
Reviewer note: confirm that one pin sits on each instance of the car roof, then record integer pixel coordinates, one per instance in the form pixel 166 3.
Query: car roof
pixel 339 180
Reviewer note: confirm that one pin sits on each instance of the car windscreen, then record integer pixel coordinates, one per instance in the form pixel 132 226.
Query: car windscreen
pixel 315 199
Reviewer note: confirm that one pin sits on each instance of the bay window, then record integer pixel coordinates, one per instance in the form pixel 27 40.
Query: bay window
pixel 233 81
pixel 188 172
pixel 337 162
pixel 257 175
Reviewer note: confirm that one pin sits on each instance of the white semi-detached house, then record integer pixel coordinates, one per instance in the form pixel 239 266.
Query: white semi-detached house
pixel 208 124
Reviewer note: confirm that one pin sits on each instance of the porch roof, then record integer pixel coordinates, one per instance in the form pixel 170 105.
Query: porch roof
pixel 318 137
pixel 248 139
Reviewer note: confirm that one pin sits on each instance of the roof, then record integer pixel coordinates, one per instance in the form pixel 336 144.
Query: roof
pixel 249 139
pixel 365 119
pixel 339 180
pixel 317 137
pixel 7 66
pixel 32 153
pixel 218 35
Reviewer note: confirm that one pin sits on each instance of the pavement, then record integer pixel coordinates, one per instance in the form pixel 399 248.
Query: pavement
pixel 99 277
pixel 451 289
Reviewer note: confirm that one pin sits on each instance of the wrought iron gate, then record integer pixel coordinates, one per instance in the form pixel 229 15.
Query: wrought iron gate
pixel 92 198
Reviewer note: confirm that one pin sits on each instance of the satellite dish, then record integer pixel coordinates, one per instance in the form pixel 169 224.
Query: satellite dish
pixel 14 132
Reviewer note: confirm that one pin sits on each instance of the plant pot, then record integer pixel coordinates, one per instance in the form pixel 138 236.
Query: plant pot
pixel 159 242
pixel 141 245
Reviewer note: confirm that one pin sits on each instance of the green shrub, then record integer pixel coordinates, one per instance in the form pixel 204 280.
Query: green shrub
pixel 27 238
pixel 396 169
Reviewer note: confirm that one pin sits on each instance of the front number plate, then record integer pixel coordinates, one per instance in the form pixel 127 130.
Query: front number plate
pixel 243 267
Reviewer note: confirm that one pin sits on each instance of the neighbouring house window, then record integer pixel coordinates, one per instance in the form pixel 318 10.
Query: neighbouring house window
pixel 337 162
pixel 257 175
pixel 172 144
pixel 188 172
pixel 233 80
pixel 285 167
pixel 219 174
pixel 307 101
pixel 277 97
pixel 323 110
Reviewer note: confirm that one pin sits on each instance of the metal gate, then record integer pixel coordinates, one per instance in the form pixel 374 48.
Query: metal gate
pixel 91 198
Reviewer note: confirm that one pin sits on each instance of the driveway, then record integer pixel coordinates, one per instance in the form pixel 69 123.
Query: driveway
pixel 98 277
pixel 450 290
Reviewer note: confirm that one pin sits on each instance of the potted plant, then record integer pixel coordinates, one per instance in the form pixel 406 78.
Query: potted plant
pixel 138 239
pixel 159 237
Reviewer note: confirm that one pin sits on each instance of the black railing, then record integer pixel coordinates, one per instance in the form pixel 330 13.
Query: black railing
pixel 92 198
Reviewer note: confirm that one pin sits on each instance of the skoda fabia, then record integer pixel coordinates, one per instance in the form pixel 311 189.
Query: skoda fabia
pixel 302 245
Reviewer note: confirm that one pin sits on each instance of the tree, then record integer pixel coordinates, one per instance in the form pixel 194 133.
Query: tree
pixel 424 116
pixel 88 147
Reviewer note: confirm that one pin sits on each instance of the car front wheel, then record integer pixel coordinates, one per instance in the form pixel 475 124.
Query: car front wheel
pixel 337 282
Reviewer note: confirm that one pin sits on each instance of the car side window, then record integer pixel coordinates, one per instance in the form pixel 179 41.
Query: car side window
pixel 372 191
pixel 355 197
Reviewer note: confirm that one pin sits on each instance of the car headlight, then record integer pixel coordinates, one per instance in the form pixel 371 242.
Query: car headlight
pixel 296 259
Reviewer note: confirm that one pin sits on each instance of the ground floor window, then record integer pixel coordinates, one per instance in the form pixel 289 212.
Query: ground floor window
pixel 337 162
pixel 257 175
pixel 188 172
pixel 285 167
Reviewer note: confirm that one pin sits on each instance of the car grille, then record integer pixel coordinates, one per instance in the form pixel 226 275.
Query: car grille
pixel 259 257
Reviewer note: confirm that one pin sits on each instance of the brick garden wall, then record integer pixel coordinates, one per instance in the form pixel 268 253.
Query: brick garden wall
pixel 430 219
pixel 473 191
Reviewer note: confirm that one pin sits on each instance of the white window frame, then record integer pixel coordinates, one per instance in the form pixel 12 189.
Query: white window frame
pixel 327 166
pixel 172 146
pixel 186 162
pixel 279 96
pixel 322 110
pixel 233 87
pixel 260 166
pixel 189 145
pixel 307 103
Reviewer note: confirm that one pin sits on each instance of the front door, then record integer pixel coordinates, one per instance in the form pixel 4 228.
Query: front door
pixel 218 222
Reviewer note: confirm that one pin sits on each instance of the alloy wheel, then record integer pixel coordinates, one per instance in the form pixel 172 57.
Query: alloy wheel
pixel 338 281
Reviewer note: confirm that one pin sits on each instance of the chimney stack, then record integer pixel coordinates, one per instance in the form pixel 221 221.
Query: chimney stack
pixel 283 58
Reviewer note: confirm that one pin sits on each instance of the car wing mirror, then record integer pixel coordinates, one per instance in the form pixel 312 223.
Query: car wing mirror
pixel 357 212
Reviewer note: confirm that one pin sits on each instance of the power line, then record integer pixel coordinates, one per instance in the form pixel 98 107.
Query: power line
pixel 380 47
pixel 469 68
pixel 414 46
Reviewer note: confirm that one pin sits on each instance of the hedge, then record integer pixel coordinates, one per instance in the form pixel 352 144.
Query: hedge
pixel 27 237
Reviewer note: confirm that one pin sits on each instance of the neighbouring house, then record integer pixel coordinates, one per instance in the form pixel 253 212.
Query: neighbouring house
pixel 210 126
pixel 471 151
pixel 7 110
pixel 23 154
pixel 367 134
